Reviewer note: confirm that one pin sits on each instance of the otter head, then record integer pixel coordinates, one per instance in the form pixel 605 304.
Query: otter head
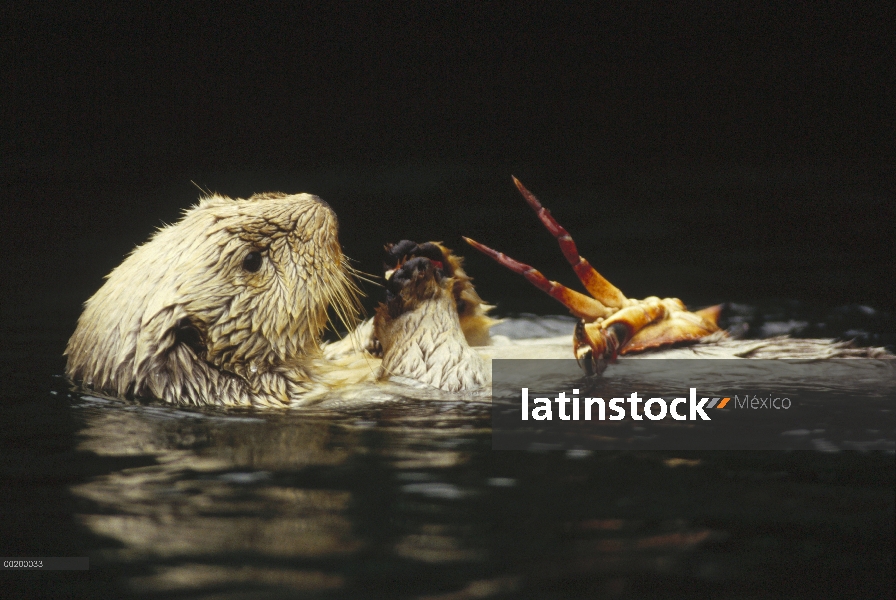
pixel 223 307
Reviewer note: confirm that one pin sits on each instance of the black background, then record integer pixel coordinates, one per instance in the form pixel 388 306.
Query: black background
pixel 713 151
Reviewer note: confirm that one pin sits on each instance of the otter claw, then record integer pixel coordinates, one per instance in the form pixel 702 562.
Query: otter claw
pixel 408 271
pixel 405 250
pixel 396 252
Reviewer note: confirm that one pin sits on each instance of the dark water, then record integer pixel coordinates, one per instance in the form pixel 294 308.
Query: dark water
pixel 405 499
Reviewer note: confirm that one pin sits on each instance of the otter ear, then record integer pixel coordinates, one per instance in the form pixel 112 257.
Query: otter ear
pixel 167 328
pixel 190 332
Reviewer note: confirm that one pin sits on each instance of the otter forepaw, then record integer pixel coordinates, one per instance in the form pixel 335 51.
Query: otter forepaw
pixel 416 280
pixel 406 250
pixel 429 299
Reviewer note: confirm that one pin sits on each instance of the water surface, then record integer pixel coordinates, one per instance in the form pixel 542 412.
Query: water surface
pixel 408 499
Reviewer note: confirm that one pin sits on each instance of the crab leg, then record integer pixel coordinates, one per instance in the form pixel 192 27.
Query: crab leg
pixel 579 304
pixel 601 289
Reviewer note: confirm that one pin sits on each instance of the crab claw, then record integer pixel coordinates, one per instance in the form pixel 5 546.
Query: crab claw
pixel 595 349
pixel 605 340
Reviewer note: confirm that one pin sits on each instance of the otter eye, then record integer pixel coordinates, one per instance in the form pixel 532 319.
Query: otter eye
pixel 252 262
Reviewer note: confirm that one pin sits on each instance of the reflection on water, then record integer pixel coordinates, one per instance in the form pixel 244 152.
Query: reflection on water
pixel 407 499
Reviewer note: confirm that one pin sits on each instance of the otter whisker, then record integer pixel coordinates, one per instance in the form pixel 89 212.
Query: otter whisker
pixel 345 298
pixel 359 274
pixel 365 277
pixel 207 192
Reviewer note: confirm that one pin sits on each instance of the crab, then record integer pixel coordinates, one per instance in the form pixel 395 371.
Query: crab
pixel 610 324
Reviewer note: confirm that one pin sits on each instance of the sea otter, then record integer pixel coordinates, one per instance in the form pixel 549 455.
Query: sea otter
pixel 227 306
pixel 224 307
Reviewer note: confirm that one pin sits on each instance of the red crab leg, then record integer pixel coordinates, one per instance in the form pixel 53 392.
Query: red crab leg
pixel 601 289
pixel 579 304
